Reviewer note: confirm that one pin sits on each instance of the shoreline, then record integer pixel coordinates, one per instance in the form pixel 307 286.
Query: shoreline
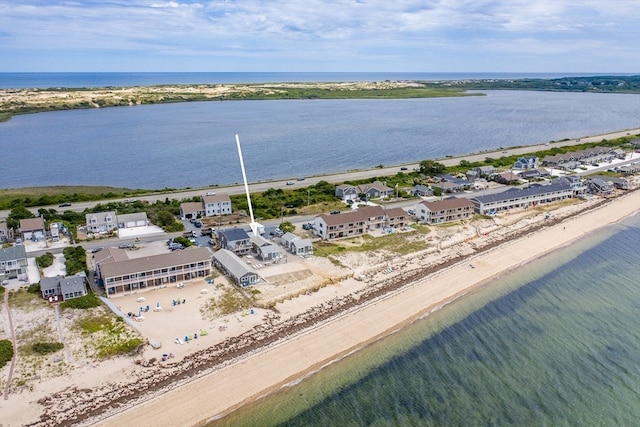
pixel 298 356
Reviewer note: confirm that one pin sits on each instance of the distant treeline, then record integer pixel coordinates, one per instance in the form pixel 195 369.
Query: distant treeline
pixel 597 84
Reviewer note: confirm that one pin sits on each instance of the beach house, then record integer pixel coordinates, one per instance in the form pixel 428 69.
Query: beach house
pixel 101 222
pixel 32 229
pixel 235 240
pixel 121 272
pixel 451 209
pixel 522 198
pixel 59 288
pixel 234 268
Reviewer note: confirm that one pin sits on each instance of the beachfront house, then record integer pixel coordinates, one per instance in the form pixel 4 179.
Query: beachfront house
pixel 597 185
pixel 59 288
pixel 101 222
pixel 121 272
pixel 32 229
pixel 13 264
pixel 451 209
pixel 522 198
pixel 348 224
pixel 235 240
pixel 396 218
pixel 234 268
pixel 347 192
pixel 265 250
pixel 297 245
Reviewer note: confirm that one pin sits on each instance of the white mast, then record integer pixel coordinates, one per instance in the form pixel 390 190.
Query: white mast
pixel 254 226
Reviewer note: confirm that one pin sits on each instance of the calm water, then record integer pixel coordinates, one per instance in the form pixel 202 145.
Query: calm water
pixel 192 144
pixel 556 343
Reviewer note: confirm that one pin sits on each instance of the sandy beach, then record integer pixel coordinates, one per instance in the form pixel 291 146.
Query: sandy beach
pixel 257 373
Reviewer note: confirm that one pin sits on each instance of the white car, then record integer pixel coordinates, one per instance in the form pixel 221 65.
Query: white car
pixel 211 193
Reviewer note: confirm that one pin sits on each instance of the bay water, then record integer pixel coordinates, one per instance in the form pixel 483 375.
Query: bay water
pixel 555 343
pixel 192 145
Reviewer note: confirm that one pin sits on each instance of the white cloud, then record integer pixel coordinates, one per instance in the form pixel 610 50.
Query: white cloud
pixel 330 30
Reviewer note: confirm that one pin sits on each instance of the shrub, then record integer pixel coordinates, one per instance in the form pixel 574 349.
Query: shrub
pixel 34 288
pixel 6 352
pixel 46 260
pixel 47 347
pixel 85 302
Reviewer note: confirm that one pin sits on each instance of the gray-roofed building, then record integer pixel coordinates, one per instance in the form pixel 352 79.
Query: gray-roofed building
pixel 421 190
pixel 13 263
pixel 61 288
pixel 32 229
pixel 101 222
pixel 137 219
pixel 527 162
pixel 235 240
pixel 297 245
pixel 346 192
pixel 523 197
pixel 265 249
pixel 597 185
pixel 301 247
pixel 446 210
pixel 234 268
pixel 507 178
pixel 121 274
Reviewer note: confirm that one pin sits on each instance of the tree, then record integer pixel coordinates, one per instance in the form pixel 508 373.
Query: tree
pixel 430 167
pixel 16 214
pixel 287 227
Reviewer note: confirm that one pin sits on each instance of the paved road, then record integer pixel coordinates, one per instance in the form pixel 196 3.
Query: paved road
pixel 258 187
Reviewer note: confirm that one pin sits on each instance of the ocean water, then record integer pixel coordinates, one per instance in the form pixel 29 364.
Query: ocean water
pixel 555 343
pixel 192 145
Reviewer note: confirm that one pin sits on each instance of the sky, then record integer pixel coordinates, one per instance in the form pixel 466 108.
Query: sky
pixel 590 36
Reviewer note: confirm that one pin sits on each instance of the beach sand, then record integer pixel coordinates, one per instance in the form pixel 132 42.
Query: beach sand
pixel 256 374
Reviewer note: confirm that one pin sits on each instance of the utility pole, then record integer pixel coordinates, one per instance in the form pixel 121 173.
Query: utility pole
pixel 308 198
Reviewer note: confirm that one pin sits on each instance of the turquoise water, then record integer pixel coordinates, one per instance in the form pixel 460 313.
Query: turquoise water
pixel 556 343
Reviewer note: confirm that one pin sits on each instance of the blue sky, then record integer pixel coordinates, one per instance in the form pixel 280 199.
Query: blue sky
pixel 314 35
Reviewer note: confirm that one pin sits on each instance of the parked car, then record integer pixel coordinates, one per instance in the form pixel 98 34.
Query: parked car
pixel 334 212
pixel 404 168
pixel 290 182
pixel 96 250
pixel 277 232
pixel 307 226
pixel 18 242
pixel 125 245
pixel 64 205
pixel 198 224
pixel 211 193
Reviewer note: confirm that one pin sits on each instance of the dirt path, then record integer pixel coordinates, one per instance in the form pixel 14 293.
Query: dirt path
pixel 15 347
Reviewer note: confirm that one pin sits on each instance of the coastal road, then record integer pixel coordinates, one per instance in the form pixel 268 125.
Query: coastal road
pixel 258 187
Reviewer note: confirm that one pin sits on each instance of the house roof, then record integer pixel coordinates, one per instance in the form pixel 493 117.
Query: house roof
pixel 12 253
pixel 377 185
pixel 191 206
pixel 232 263
pixel 234 234
pixel 101 216
pixel 216 198
pixel 136 216
pixel 153 262
pixel 289 237
pixel 360 215
pixel 69 284
pixel 396 212
pixel 302 243
pixel 110 255
pixel 515 193
pixel 447 204
pixel 27 224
